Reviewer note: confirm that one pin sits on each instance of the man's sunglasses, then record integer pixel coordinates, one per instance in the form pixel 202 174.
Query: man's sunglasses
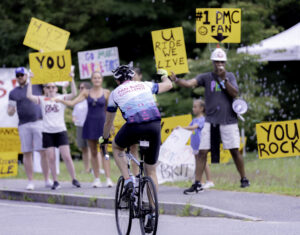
pixel 18 75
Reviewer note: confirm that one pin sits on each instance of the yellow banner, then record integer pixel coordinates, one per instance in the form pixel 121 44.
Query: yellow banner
pixel 169 50
pixel 8 164
pixel 278 139
pixel 50 66
pixel 225 155
pixel 43 36
pixel 214 25
pixel 9 140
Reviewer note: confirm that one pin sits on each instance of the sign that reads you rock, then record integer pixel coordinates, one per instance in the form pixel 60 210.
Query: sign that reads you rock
pixel 43 36
pixel 278 139
pixel 103 60
pixel 169 50
pixel 50 66
pixel 215 25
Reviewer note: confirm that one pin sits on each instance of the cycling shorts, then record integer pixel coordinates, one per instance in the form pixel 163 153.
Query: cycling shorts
pixel 132 133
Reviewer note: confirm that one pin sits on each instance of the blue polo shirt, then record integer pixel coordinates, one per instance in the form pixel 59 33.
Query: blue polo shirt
pixel 26 109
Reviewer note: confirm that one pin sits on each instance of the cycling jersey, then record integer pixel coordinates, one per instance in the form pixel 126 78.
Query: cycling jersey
pixel 135 101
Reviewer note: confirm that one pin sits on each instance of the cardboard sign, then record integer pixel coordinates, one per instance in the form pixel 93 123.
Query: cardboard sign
pixel 43 36
pixel 9 140
pixel 103 60
pixel 8 164
pixel 216 25
pixel 278 139
pixel 169 50
pixel 50 66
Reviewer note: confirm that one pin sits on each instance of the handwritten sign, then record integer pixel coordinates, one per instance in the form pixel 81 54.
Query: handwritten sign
pixel 8 164
pixel 9 140
pixel 103 60
pixel 43 36
pixel 169 50
pixel 50 66
pixel 214 25
pixel 278 139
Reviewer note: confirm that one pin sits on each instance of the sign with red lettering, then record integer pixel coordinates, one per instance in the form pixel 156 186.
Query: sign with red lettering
pixel 278 139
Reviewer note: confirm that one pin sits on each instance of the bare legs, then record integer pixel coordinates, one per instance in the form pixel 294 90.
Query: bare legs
pixel 94 157
pixel 28 165
pixel 86 159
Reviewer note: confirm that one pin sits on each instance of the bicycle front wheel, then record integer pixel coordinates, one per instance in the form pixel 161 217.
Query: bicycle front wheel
pixel 148 207
pixel 123 210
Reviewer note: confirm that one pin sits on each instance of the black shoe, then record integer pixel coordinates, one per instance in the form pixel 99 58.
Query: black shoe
pixel 245 182
pixel 55 185
pixel 128 189
pixel 195 188
pixel 76 183
pixel 149 223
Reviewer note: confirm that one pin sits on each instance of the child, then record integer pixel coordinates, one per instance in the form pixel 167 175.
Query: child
pixel 196 126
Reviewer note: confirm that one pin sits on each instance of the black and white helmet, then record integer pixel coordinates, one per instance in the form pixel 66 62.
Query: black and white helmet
pixel 123 73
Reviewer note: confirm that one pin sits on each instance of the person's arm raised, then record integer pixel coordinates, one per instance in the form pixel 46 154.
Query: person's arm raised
pixel 82 96
pixel 182 82
pixel 165 85
pixel 73 89
pixel 30 96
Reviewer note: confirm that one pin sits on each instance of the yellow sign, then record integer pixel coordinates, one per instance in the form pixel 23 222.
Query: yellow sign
pixel 8 164
pixel 225 155
pixel 169 50
pixel 9 140
pixel 169 123
pixel 215 25
pixel 50 66
pixel 278 139
pixel 43 36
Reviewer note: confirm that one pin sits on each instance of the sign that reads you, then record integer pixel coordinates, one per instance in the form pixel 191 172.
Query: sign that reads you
pixel 103 60
pixel 43 36
pixel 169 50
pixel 50 66
pixel 215 25
pixel 278 139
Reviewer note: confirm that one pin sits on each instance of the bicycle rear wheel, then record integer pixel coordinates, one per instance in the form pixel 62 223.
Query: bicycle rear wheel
pixel 123 210
pixel 148 207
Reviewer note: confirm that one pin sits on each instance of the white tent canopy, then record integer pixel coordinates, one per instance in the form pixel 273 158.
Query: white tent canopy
pixel 281 47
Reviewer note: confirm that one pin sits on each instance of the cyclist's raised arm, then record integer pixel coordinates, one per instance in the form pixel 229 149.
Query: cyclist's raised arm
pixel 182 82
pixel 165 85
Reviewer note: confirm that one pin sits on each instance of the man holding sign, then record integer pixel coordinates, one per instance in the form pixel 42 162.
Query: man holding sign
pixel 221 121
pixel 30 125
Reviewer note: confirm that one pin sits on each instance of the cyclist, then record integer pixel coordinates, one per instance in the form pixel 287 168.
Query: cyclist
pixel 138 107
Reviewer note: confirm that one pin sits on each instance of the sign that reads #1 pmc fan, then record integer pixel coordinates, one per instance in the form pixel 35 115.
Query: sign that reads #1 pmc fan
pixel 169 50
pixel 278 139
pixel 216 25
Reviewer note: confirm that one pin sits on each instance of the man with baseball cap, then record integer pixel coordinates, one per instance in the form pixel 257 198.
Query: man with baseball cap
pixel 221 121
pixel 30 125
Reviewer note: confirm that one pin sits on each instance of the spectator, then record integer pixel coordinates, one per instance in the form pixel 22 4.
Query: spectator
pixel 220 90
pixel 30 126
pixel 97 98
pixel 54 129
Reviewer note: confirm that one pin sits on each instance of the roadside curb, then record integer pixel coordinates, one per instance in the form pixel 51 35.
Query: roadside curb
pixel 168 208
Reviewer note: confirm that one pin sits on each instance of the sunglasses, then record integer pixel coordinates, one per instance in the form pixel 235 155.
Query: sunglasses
pixel 81 87
pixel 48 87
pixel 18 75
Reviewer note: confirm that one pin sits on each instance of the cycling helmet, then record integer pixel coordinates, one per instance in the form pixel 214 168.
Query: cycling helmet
pixel 123 73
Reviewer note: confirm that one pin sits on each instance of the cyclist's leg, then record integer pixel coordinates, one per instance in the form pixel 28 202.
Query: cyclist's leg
pixel 120 159
pixel 150 170
pixel 134 150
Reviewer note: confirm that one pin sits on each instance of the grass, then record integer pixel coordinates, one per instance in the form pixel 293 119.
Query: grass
pixel 279 175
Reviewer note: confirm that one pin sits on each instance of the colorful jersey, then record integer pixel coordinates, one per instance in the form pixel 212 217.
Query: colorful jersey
pixel 135 100
pixel 195 137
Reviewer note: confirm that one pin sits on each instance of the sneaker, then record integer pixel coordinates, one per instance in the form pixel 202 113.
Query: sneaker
pixel 195 188
pixel 30 186
pixel 128 189
pixel 97 183
pixel 76 183
pixel 208 184
pixel 48 183
pixel 245 182
pixel 149 221
pixel 55 185
pixel 109 183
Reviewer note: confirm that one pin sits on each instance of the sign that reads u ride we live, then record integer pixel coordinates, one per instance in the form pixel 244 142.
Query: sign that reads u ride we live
pixel 216 25
pixel 169 50
pixel 278 139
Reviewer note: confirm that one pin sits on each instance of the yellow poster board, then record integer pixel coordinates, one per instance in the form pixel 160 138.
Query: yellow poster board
pixel 216 25
pixel 169 50
pixel 278 139
pixel 9 140
pixel 50 66
pixel 43 36
pixel 8 164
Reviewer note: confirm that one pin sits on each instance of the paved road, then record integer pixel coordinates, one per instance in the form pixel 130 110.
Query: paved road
pixel 25 218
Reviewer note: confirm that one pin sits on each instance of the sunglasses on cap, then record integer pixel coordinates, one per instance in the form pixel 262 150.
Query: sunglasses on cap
pixel 19 75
